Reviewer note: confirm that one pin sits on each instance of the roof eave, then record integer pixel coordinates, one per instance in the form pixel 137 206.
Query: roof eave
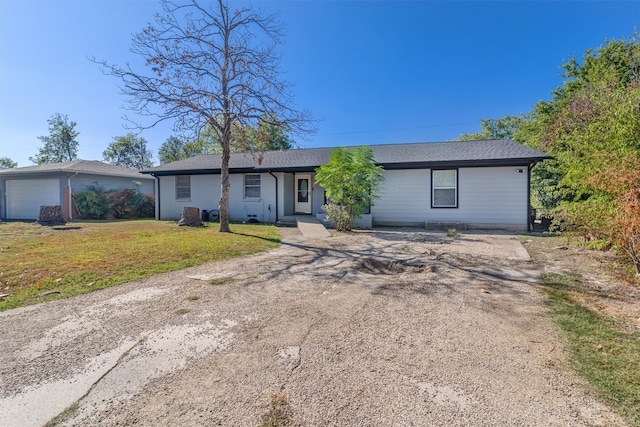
pixel 388 166
pixel 463 163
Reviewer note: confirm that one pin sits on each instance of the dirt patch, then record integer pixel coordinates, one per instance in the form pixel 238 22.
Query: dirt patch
pixel 385 266
pixel 355 329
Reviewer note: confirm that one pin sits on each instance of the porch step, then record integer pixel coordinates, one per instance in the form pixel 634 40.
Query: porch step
pixel 287 221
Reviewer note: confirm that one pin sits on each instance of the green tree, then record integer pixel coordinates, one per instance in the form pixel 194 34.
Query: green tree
pixel 60 145
pixel 578 125
pixel 266 136
pixel 7 163
pixel 591 127
pixel 129 151
pixel 211 67
pixel 176 148
pixel 351 179
pixel 502 128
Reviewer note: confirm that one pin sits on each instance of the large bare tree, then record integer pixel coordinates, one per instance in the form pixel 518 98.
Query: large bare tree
pixel 211 67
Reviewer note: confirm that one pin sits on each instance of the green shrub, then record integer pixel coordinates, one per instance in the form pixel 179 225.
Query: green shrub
pixel 145 206
pixel 339 216
pixel 93 203
pixel 131 203
pixel 98 203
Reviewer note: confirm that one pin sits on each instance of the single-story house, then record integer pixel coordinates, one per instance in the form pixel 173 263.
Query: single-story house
pixel 481 184
pixel 27 188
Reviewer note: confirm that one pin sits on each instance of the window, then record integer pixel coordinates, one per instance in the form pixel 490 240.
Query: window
pixel 251 186
pixel 444 188
pixel 183 187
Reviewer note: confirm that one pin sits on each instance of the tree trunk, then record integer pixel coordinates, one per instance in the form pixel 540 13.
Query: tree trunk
pixel 224 180
pixel 190 217
pixel 51 215
pixel 224 201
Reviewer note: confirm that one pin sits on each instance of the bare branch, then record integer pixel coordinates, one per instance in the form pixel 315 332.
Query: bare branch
pixel 210 67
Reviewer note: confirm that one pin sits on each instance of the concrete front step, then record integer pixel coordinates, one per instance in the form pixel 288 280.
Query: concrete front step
pixel 308 225
pixel 312 228
pixel 287 221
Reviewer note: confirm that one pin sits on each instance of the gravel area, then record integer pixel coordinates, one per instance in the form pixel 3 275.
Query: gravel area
pixel 385 327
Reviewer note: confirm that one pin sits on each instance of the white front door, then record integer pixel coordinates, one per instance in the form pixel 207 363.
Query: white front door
pixel 303 194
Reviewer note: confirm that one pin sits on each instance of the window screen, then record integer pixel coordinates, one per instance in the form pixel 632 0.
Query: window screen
pixel 183 187
pixel 251 186
pixel 444 185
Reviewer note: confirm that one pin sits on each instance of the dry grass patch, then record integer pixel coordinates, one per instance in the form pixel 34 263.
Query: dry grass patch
pixel 593 301
pixel 36 259
pixel 279 414
pixel 222 280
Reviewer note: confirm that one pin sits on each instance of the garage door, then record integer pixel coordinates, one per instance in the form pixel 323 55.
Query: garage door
pixel 25 196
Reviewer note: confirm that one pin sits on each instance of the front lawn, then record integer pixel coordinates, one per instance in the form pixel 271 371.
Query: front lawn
pixel 39 263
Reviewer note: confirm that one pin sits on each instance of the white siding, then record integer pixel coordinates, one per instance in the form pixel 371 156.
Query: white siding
pixel 286 193
pixel 264 208
pixel 489 196
pixel 205 194
pixel 404 196
pixel 486 196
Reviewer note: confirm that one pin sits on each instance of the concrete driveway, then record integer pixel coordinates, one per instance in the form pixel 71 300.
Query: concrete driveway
pixel 386 327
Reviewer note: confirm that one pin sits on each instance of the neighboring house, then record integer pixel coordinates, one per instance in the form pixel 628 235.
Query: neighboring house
pixel 27 188
pixel 483 184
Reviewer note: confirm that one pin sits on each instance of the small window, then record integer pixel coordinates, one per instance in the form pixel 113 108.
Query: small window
pixel 444 188
pixel 183 187
pixel 252 186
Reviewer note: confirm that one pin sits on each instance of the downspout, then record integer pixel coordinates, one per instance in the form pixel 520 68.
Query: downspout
pixel 157 195
pixel 276 178
pixel 529 225
pixel 71 195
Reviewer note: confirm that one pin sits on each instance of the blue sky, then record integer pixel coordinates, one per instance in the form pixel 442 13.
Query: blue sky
pixel 371 72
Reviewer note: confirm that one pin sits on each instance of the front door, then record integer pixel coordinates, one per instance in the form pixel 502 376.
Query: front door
pixel 303 194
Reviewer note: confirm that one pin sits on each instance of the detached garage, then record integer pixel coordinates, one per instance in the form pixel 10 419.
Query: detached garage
pixel 25 189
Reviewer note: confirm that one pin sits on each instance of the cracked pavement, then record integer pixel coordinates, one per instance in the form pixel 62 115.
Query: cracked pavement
pixel 383 327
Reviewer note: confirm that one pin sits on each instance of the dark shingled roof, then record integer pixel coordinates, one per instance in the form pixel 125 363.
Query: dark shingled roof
pixel 92 167
pixel 390 156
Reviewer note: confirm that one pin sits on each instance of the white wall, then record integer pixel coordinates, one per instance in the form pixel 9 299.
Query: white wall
pixel 286 193
pixel 404 196
pixel 264 207
pixel 486 196
pixel 490 195
pixel 205 194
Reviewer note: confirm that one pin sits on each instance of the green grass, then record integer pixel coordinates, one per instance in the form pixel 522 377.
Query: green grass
pixel 36 259
pixel 607 356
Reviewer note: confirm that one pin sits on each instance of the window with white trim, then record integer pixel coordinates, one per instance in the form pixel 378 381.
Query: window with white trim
pixel 444 188
pixel 183 187
pixel 252 186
